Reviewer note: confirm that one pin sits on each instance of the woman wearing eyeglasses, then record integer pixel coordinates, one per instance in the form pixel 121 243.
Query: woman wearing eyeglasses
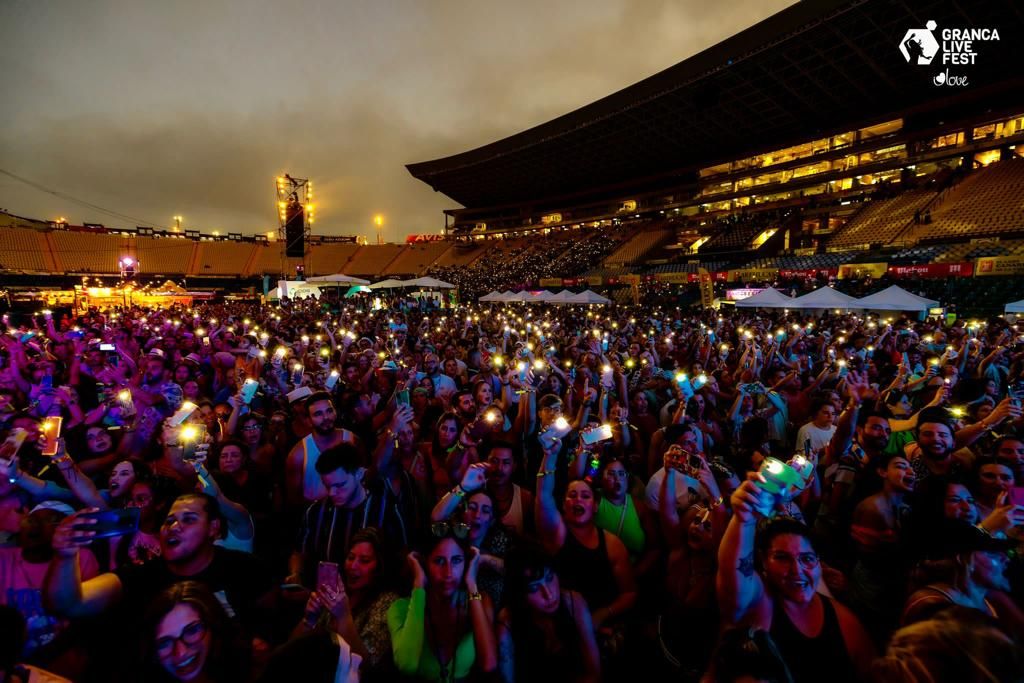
pixel 188 637
pixel 445 629
pixel 251 430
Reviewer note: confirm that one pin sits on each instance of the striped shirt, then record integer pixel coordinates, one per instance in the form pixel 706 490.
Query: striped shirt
pixel 326 532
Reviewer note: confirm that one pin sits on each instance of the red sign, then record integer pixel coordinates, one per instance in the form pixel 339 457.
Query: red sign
pixel 808 272
pixel 932 270
pixel 413 239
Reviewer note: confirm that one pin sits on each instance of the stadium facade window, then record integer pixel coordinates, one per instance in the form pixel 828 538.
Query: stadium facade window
pixel 984 132
pixel 885 128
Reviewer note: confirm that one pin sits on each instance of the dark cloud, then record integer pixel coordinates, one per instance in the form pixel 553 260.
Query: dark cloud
pixel 194 108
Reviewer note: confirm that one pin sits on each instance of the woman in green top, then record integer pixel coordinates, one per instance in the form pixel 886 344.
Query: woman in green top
pixel 619 512
pixel 446 625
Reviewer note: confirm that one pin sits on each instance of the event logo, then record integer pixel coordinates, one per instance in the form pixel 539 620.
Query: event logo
pixel 919 45
pixel 958 48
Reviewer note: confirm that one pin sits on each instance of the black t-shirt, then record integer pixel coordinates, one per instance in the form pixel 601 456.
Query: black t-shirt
pixel 237 579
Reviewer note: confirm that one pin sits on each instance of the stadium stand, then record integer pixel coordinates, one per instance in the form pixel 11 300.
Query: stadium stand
pixel 324 259
pixel 84 252
pixel 990 201
pixel 416 258
pixel 165 255
pixel 371 259
pixel 463 253
pixel 266 260
pixel 223 258
pixel 881 221
pixel 23 251
pixel 643 242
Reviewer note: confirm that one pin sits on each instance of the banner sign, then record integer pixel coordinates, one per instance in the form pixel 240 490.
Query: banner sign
pixel 933 270
pixel 859 270
pixel 741 294
pixel 752 274
pixel 1000 265
pixel 807 272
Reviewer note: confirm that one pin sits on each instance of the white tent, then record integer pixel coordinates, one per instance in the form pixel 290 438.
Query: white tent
pixel 543 295
pixel 428 283
pixel 589 297
pixel 388 284
pixel 493 296
pixel 767 298
pixel 563 297
pixel 824 297
pixel 1015 307
pixel 896 299
pixel 339 278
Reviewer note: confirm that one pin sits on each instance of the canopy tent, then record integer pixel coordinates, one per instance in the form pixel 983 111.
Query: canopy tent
pixel 428 283
pixel 356 289
pixel 824 297
pixel 767 298
pixel 588 296
pixel 543 295
pixel 339 279
pixel 896 299
pixel 563 297
pixel 1015 307
pixel 493 296
pixel 388 284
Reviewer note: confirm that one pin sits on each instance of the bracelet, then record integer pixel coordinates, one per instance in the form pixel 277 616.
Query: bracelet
pixel 476 596
pixel 544 473
pixel 458 491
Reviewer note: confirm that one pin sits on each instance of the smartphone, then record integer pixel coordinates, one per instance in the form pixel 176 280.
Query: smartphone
pixel 111 523
pixel 107 347
pixel 327 574
pixel 249 388
pixel 182 414
pixel 402 397
pixel 297 371
pixel 46 384
pixel 124 399
pixel 596 435
pixel 332 380
pixel 51 434
pixel 190 436
pixel 1016 495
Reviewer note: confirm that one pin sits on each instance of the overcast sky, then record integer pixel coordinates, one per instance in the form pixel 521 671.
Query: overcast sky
pixel 160 107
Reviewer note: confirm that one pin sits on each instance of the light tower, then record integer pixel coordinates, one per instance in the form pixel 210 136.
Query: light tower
pixel 295 217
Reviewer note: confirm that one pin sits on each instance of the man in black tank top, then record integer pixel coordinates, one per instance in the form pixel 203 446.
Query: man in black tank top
pixel 774 587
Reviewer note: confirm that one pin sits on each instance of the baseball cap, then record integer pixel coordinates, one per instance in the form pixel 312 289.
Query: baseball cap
pixel 958 537
pixel 56 506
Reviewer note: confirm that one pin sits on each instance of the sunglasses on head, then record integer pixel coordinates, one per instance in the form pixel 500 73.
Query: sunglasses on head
pixel 457 529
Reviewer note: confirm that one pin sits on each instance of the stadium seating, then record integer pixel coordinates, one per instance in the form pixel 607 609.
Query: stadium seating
pixel 371 259
pixel 989 201
pixel 223 258
pixel 23 250
pixel 880 221
pixel 324 259
pixel 83 252
pixel 642 243
pixel 267 260
pixel 463 253
pixel 164 255
pixel 416 258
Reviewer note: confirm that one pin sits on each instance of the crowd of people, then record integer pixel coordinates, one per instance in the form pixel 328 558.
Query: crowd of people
pixel 513 264
pixel 322 492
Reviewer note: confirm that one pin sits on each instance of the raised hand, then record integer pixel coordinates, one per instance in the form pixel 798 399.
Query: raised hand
pixel 474 478
pixel 419 577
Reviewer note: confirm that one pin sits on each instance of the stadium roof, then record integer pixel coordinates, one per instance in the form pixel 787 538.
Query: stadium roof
pixel 813 69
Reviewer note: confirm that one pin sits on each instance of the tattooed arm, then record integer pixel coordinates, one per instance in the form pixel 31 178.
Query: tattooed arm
pixel 738 585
